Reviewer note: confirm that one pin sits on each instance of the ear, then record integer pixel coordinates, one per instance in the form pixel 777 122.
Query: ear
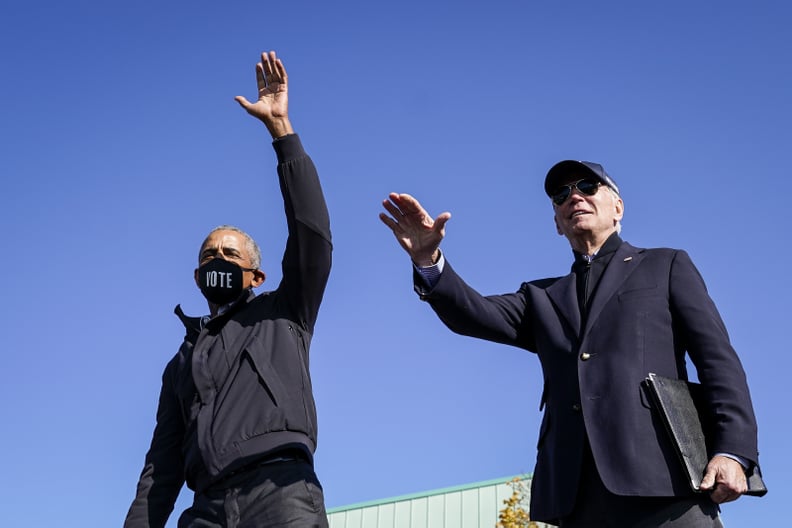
pixel 258 278
pixel 558 228
pixel 195 275
pixel 619 206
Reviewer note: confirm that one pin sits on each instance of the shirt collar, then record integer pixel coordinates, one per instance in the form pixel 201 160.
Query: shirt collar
pixel 611 244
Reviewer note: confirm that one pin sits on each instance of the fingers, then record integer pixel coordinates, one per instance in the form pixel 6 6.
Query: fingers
pixel 723 493
pixel 406 203
pixel 405 208
pixel 261 83
pixel 267 60
pixel 388 221
pixel 395 211
pixel 725 479
pixel 270 70
pixel 280 69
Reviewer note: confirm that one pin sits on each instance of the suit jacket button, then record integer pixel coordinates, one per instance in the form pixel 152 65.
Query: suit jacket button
pixel 584 356
pixel 576 407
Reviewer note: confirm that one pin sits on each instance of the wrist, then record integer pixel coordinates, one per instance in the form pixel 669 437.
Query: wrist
pixel 278 127
pixel 427 261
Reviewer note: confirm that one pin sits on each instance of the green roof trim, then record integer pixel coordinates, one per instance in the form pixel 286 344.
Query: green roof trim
pixel 419 495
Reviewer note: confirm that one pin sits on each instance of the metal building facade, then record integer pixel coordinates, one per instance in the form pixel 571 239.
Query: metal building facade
pixel 471 506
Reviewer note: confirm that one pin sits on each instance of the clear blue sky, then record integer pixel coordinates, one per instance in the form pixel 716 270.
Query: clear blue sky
pixel 122 146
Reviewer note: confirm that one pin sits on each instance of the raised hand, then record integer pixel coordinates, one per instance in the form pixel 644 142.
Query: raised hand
pixel 414 229
pixel 272 106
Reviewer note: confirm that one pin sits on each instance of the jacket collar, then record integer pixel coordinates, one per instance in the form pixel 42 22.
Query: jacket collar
pixel 191 324
pixel 612 243
pixel 194 325
pixel 563 293
pixel 624 262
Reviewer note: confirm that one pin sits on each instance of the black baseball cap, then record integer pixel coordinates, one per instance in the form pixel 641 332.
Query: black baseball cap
pixel 563 171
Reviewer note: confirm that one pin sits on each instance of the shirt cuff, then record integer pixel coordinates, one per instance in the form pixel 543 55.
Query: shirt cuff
pixel 431 274
pixel 743 462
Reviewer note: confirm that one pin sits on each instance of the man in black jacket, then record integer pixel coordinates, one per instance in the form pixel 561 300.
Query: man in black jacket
pixel 236 417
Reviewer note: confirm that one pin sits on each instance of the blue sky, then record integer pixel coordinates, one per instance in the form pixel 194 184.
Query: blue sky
pixel 122 146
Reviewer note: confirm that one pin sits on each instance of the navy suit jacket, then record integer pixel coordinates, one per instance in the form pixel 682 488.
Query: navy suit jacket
pixel 651 307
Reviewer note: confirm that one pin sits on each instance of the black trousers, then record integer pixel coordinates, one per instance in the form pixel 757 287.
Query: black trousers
pixel 596 507
pixel 277 494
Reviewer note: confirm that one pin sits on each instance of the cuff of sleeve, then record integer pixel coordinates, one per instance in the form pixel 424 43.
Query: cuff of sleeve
pixel 431 274
pixel 745 463
pixel 288 147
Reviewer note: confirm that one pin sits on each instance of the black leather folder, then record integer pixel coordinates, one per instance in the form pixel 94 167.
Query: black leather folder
pixel 686 419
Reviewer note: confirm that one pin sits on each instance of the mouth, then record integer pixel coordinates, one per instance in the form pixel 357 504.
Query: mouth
pixel 578 213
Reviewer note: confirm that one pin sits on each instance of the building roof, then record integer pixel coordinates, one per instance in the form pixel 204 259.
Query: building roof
pixel 475 505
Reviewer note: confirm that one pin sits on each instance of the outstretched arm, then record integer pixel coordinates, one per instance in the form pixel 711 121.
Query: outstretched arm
pixel 307 257
pixel 272 106
pixel 416 232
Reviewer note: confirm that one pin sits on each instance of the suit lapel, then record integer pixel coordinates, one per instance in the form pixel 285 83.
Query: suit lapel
pixel 624 261
pixel 563 294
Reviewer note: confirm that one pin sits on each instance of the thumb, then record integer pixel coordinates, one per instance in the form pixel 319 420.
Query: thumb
pixel 440 221
pixel 709 479
pixel 244 103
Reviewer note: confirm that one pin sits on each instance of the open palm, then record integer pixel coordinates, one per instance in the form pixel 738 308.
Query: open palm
pixel 417 233
pixel 273 90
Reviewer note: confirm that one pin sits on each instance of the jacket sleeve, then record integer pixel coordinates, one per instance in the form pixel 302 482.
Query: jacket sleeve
pixel 307 258
pixel 703 334
pixel 497 318
pixel 163 476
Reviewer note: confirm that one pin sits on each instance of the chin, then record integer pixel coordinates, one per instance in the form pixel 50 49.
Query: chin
pixel 578 229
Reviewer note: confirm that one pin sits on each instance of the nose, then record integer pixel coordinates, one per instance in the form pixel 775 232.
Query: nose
pixel 576 195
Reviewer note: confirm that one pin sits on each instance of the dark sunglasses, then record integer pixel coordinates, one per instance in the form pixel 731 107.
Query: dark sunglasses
pixel 587 186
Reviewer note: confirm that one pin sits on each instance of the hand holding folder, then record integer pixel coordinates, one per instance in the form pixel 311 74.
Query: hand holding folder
pixel 680 407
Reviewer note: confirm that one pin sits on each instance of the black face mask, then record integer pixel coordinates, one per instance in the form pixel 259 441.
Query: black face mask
pixel 220 281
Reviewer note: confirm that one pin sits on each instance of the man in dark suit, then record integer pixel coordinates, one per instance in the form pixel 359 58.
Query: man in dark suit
pixel 603 457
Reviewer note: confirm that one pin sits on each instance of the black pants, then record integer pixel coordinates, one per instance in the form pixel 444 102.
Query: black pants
pixel 278 494
pixel 596 507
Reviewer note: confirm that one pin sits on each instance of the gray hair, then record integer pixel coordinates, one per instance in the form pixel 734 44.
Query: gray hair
pixel 616 197
pixel 250 244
